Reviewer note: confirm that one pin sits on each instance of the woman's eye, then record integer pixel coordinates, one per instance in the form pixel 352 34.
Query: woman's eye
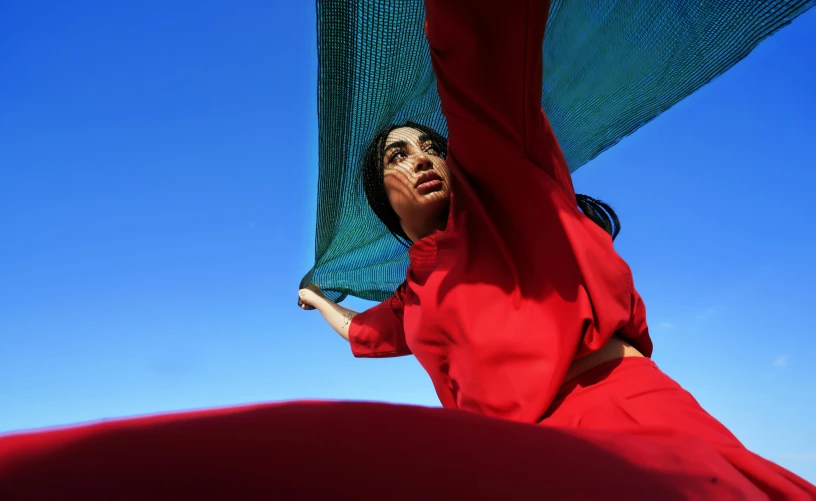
pixel 398 155
pixel 432 150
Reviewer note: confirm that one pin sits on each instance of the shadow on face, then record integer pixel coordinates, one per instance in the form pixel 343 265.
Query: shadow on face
pixel 417 181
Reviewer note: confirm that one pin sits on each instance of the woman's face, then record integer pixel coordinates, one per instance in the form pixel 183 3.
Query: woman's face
pixel 416 181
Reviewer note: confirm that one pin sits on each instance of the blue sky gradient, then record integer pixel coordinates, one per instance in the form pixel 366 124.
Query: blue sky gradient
pixel 158 175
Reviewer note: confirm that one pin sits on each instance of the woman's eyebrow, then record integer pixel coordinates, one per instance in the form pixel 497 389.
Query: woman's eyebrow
pixel 396 144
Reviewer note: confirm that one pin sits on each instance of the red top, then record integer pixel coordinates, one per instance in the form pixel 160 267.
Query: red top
pixel 520 283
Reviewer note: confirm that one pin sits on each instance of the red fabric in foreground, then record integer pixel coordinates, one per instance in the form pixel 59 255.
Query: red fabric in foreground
pixel 623 430
pixel 364 450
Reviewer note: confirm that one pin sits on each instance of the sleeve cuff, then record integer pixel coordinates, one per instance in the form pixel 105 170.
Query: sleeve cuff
pixel 377 333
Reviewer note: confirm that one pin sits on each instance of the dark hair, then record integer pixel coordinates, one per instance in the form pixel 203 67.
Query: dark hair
pixel 600 213
pixel 374 185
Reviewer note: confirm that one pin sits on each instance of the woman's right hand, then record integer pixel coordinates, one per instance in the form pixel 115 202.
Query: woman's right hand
pixel 310 297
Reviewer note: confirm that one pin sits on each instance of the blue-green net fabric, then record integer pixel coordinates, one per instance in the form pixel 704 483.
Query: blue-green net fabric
pixel 610 67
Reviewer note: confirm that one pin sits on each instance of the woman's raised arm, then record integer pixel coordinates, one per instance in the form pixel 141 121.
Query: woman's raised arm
pixel 487 57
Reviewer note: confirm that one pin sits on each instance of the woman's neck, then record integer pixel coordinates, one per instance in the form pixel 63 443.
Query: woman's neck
pixel 429 228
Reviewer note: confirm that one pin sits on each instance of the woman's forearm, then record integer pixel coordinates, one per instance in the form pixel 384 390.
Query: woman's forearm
pixel 338 317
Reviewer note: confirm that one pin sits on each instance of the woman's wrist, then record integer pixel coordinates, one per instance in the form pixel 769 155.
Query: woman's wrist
pixel 324 305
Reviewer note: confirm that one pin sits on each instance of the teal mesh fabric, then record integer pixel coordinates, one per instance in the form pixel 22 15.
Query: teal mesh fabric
pixel 610 67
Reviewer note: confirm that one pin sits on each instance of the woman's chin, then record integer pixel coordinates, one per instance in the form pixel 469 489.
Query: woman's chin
pixel 435 202
pixel 434 197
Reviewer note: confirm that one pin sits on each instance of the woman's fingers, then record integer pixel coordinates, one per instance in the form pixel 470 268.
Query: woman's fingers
pixel 309 295
pixel 303 300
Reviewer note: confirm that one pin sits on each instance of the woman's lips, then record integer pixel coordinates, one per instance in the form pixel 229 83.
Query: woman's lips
pixel 429 186
pixel 428 182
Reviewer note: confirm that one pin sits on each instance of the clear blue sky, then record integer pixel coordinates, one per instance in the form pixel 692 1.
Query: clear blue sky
pixel 157 195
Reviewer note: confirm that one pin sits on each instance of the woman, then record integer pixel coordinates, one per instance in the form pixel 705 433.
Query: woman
pixel 515 302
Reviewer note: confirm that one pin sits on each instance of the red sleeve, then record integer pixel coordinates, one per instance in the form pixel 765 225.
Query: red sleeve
pixel 488 63
pixel 538 282
pixel 378 331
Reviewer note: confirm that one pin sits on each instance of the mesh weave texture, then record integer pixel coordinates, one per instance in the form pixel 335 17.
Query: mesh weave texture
pixel 610 67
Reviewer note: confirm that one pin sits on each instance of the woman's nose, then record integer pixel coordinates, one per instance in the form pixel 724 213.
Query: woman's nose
pixel 423 162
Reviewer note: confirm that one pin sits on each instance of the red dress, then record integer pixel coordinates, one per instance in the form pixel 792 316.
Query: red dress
pixel 495 308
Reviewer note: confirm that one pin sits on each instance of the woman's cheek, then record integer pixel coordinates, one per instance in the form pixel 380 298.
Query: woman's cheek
pixel 397 189
pixel 401 200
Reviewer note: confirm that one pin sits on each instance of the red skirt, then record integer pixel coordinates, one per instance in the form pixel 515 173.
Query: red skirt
pixel 633 397
pixel 645 439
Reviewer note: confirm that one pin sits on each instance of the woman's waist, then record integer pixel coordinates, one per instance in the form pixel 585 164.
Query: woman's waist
pixel 615 349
